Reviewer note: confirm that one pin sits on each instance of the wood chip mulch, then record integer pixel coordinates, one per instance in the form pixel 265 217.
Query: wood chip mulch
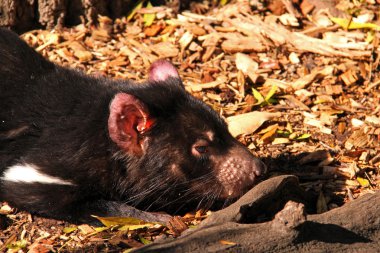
pixel 298 86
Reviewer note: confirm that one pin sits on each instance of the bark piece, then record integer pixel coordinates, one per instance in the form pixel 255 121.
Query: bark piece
pixel 176 225
pixel 339 230
pixel 359 138
pixel 253 26
pixel 243 45
pixel 23 15
pixel 165 50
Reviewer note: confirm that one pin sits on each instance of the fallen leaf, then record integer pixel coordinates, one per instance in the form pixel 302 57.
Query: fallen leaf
pixel 260 99
pixel 247 123
pixel 137 7
pixel 114 221
pixel 224 242
pixel 149 17
pixel 245 63
pixel 363 182
pixel 135 227
pixel 271 131
pixel 144 240
pixel 68 230
pixel 17 245
pixel 348 24
pixel 270 94
pixel 86 229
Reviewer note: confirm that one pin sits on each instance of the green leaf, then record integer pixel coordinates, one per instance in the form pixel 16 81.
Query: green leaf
pixel 223 2
pixel 149 17
pixel 121 221
pixel 260 99
pixel 270 94
pixel 272 101
pixel 135 227
pixel 363 182
pixel 68 230
pixel 137 7
pixel 346 24
pixel 125 222
pixel 283 133
pixel 101 229
pixel 17 245
pixel 144 240
pixel 303 137
pixel 370 36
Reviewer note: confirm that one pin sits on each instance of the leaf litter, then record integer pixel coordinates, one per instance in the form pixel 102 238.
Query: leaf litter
pixel 298 85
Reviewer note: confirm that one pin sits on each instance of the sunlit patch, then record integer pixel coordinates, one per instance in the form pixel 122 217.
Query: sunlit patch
pixel 210 135
pixel 28 173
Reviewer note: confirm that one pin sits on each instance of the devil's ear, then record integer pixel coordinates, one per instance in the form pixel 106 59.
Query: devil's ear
pixel 161 70
pixel 128 119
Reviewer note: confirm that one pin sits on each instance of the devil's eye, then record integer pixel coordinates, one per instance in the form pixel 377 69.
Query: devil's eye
pixel 201 149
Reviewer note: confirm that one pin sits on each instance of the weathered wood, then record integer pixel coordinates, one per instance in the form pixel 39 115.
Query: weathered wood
pixel 17 14
pixel 22 15
pixel 353 227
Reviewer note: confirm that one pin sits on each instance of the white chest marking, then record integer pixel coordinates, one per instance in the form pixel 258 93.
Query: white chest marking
pixel 28 173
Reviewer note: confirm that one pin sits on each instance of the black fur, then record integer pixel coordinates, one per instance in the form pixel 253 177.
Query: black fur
pixel 56 119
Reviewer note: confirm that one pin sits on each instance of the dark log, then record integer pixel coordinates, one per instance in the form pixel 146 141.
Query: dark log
pixel 354 227
pixel 23 15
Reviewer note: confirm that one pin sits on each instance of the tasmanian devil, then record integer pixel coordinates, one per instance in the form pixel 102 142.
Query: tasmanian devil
pixel 72 145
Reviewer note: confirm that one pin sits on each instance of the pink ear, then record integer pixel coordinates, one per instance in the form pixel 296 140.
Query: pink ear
pixel 161 70
pixel 129 117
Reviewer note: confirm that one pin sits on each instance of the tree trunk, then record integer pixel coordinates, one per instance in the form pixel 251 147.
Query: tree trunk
pixel 22 15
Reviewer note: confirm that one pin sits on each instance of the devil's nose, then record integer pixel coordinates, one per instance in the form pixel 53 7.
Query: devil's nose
pixel 260 168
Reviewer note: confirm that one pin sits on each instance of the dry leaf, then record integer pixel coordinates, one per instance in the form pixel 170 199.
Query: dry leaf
pixel 177 226
pixel 245 63
pixel 270 132
pixel 113 221
pixel 359 138
pixel 247 123
pixel 363 182
pixel 224 242
pixel 86 229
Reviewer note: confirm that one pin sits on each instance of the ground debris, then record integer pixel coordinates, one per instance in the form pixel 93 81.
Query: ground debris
pixel 297 87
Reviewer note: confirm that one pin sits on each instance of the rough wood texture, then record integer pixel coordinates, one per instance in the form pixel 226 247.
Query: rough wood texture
pixel 22 15
pixel 17 13
pixel 353 227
